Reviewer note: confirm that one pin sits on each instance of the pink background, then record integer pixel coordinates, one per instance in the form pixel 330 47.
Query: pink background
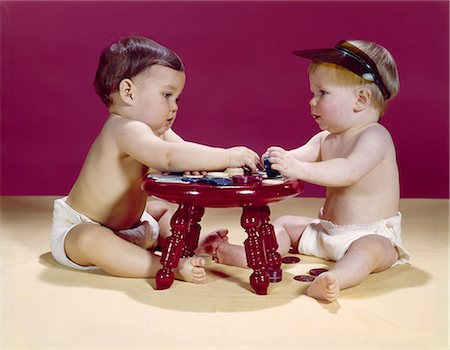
pixel 244 86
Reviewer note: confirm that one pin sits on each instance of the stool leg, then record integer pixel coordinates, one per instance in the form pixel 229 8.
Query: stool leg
pixel 193 234
pixel 259 279
pixel 270 245
pixel 173 247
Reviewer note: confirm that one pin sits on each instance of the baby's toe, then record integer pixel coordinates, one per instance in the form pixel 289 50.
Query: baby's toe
pixel 198 261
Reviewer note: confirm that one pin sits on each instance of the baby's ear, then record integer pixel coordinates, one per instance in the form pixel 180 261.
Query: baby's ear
pixel 126 91
pixel 364 96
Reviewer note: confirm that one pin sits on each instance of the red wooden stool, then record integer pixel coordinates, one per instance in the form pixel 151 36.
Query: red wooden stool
pixel 192 199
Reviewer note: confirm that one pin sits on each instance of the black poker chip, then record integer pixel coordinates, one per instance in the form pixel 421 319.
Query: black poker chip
pixel 304 278
pixel 290 260
pixel 317 272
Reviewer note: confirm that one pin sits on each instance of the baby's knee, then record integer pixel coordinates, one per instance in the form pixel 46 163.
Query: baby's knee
pixel 158 208
pixel 378 247
pixel 372 242
pixel 283 221
pixel 83 242
pixel 293 225
pixel 84 236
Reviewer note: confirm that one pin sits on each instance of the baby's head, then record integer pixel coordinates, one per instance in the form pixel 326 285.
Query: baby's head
pixel 361 64
pixel 127 58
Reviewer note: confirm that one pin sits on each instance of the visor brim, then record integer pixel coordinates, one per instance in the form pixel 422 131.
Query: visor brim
pixel 332 55
pixel 350 57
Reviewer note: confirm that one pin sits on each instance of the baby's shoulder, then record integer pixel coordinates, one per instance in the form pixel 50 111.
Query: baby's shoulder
pixel 376 131
pixel 117 125
pixel 375 137
pixel 321 136
pixel 376 128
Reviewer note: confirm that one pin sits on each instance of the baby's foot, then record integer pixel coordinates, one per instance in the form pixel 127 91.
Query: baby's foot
pixel 324 287
pixel 211 242
pixel 143 235
pixel 191 270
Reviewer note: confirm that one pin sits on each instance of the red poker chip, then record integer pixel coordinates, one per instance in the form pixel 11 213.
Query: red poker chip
pixel 317 272
pixel 290 260
pixel 304 278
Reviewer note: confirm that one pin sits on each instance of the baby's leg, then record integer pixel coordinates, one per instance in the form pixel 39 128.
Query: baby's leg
pixel 162 212
pixel 372 253
pixel 216 244
pixel 208 244
pixel 89 244
pixel 144 235
pixel 288 230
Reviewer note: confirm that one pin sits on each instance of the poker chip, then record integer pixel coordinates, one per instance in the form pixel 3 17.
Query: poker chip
pixel 275 276
pixel 290 260
pixel 234 171
pixel 217 174
pixel 304 278
pixel 193 176
pixel 268 167
pixel 272 181
pixel 246 179
pixel 167 178
pixel 317 272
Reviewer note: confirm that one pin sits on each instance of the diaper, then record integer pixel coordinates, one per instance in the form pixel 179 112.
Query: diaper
pixel 324 239
pixel 65 218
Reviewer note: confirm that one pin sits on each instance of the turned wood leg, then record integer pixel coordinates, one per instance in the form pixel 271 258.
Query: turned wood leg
pixel 173 247
pixel 267 234
pixel 191 240
pixel 254 250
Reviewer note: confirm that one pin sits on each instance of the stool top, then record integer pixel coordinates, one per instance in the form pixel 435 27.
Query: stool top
pixel 250 193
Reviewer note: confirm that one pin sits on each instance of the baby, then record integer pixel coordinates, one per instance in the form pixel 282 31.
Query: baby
pixel 354 157
pixel 105 222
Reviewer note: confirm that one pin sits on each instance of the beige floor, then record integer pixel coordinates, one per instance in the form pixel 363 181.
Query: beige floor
pixel 46 306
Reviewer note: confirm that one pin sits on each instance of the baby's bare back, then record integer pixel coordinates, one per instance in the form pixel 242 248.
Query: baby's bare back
pixel 108 187
pixel 374 196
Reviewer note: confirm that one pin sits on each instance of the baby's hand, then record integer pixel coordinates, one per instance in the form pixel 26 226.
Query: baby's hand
pixel 265 154
pixel 196 173
pixel 243 156
pixel 284 162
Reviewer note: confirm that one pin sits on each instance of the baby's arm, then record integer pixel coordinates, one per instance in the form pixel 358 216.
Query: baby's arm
pixel 172 136
pixel 369 150
pixel 138 141
pixel 310 151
